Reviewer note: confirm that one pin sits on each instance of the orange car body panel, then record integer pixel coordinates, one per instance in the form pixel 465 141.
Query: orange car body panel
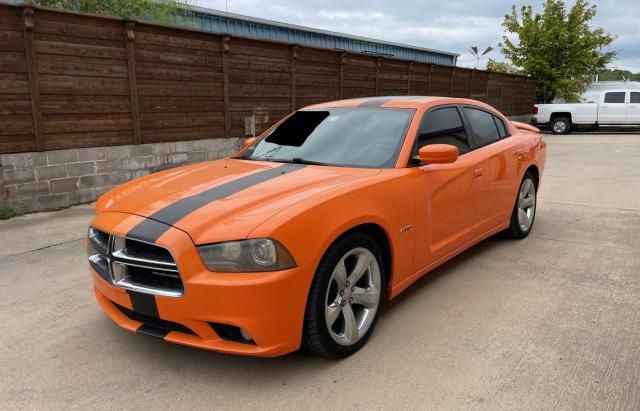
pixel 424 211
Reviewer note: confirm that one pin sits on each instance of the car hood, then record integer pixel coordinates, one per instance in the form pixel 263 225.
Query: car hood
pixel 225 199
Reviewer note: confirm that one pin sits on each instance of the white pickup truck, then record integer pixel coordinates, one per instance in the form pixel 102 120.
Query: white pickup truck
pixel 613 107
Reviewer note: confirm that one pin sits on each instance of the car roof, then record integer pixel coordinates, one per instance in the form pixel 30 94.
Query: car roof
pixel 415 102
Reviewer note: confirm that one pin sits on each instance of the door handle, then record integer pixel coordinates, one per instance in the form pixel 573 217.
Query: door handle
pixel 519 153
pixel 477 173
pixel 632 106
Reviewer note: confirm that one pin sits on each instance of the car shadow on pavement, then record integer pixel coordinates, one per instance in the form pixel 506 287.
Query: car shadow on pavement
pixel 439 273
pixel 195 364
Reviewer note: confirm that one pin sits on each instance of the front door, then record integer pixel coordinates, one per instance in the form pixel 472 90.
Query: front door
pixel 446 194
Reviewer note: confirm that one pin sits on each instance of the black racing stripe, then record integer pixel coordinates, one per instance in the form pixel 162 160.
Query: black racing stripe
pixel 379 101
pixel 143 303
pixel 152 331
pixel 150 229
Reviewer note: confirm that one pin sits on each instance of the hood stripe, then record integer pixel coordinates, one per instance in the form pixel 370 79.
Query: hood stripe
pixel 148 230
pixel 380 101
pixel 143 303
pixel 152 331
pixel 152 227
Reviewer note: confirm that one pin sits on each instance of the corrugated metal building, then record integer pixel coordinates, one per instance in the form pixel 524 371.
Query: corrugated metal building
pixel 245 26
pixel 256 28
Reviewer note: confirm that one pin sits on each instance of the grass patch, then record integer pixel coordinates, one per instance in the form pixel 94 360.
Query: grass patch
pixel 7 213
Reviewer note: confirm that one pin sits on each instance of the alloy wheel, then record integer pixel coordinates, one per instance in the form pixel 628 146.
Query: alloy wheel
pixel 353 296
pixel 526 204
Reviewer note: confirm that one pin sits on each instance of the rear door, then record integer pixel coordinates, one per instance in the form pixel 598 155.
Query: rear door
pixel 633 108
pixel 613 109
pixel 502 154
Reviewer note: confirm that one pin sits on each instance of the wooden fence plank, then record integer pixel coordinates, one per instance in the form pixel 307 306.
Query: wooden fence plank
pixel 225 88
pixel 294 57
pixel 30 58
pixel 129 36
pixel 378 63
pixel 343 57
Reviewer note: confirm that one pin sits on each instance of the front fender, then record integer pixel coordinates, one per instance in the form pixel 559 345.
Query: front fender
pixel 309 228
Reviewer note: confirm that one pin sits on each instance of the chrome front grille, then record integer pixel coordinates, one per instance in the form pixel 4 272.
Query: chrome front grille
pixel 133 264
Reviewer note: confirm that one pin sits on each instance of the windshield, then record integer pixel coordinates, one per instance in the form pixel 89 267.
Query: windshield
pixel 352 137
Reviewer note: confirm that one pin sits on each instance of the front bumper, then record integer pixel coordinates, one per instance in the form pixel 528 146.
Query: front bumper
pixel 269 306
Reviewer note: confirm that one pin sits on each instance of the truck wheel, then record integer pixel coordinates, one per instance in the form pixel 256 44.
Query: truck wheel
pixel 561 125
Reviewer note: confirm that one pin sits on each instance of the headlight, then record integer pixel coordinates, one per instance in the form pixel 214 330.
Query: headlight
pixel 260 254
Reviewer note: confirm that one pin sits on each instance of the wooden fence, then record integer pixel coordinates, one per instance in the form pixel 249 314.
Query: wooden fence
pixel 72 80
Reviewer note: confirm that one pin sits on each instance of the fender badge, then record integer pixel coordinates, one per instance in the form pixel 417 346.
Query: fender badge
pixel 406 228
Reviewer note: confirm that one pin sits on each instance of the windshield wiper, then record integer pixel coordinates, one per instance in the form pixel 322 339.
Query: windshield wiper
pixel 295 160
pixel 300 160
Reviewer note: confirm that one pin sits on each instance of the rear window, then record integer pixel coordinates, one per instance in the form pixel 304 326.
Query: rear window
pixel 483 126
pixel 614 97
pixel 501 128
pixel 635 97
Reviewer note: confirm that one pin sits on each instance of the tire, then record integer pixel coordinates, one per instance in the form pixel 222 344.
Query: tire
pixel 526 203
pixel 334 302
pixel 561 125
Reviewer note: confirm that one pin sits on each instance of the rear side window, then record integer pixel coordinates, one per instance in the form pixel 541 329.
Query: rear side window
pixel 442 126
pixel 635 97
pixel 501 128
pixel 614 97
pixel 482 125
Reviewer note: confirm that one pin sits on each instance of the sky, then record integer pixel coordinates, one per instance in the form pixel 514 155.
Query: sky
pixel 449 25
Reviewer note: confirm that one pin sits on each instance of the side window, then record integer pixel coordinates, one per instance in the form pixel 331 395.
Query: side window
pixel 502 130
pixel 614 97
pixel 635 96
pixel 442 126
pixel 483 126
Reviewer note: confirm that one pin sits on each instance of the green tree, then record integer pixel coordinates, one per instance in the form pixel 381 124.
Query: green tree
pixel 163 11
pixel 557 47
pixel 617 75
pixel 502 67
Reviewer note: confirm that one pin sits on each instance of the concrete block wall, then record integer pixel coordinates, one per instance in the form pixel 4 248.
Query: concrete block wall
pixel 42 181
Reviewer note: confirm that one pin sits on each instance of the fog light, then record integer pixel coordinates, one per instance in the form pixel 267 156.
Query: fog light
pixel 245 335
pixel 232 333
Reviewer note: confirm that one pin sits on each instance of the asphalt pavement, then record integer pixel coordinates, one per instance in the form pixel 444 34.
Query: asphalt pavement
pixel 550 322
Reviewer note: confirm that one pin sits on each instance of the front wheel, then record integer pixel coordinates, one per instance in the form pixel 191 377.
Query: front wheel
pixel 345 297
pixel 524 210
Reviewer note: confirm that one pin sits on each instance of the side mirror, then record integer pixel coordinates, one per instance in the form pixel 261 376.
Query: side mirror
pixel 438 154
pixel 249 141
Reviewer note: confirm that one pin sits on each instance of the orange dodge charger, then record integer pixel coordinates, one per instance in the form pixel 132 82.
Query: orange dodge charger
pixel 299 239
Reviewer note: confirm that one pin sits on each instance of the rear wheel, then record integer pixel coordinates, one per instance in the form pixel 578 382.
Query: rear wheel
pixel 561 125
pixel 345 297
pixel 524 210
